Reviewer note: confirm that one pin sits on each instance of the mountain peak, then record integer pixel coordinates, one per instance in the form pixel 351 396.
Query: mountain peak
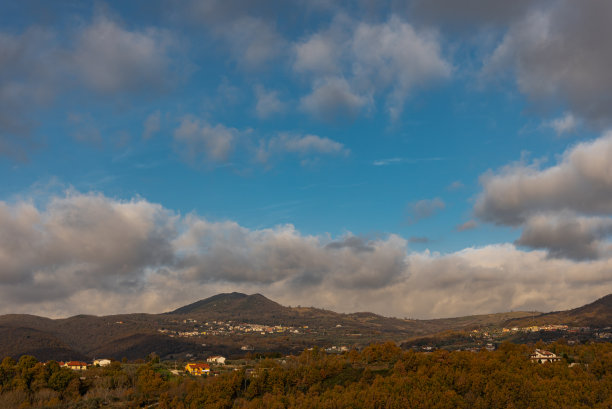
pixel 225 302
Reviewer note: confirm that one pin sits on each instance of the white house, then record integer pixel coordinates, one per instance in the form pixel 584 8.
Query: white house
pixel 541 356
pixel 102 362
pixel 216 359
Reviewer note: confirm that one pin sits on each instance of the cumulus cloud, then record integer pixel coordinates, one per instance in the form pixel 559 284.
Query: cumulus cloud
pixel 111 59
pixel 268 102
pixel 351 63
pixel 198 140
pixel 424 208
pixel 248 31
pixel 581 181
pixel 564 208
pixel 559 53
pixel 470 12
pixel 91 243
pixel 567 235
pixel 101 57
pixel 469 225
pixel 500 278
pixel 564 125
pixel 88 253
pixel 302 145
pixel 331 99
pixel 318 54
pixel 253 41
pixel 396 57
pixel 80 241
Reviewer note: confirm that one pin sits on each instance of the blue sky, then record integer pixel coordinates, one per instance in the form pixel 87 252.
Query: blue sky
pixel 414 135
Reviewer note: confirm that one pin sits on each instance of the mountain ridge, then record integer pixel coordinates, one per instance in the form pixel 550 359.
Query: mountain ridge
pixel 136 335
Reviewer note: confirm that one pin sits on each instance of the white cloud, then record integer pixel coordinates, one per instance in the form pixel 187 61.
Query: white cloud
pixel 332 99
pixel 467 14
pixel 111 59
pixel 253 41
pixel 469 225
pixel 565 234
pixel 245 29
pixel 424 208
pixel 565 208
pixel 318 54
pixel 564 125
pixel 87 253
pixel 102 56
pixel 351 63
pixel 581 182
pixel 303 145
pixel 395 57
pixel 560 55
pixel 198 140
pixel 268 102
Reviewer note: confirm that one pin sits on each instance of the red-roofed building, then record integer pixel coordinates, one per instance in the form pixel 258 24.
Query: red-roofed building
pixel 541 356
pixel 76 365
pixel 198 369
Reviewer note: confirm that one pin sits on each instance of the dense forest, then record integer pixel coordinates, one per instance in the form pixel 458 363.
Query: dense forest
pixel 379 376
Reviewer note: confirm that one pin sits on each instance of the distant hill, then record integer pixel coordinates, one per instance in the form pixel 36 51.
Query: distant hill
pixel 231 303
pixel 597 314
pixel 135 336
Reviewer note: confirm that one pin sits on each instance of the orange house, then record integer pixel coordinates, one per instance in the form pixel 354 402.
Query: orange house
pixel 198 369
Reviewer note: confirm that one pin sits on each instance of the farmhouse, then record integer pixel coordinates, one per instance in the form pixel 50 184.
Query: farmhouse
pixel 216 359
pixel 541 356
pixel 76 365
pixel 102 362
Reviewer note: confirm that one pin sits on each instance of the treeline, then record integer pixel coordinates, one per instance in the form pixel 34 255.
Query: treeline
pixel 379 376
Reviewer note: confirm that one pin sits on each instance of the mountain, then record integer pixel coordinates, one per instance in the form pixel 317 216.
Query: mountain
pixel 209 327
pixel 597 314
pixel 230 304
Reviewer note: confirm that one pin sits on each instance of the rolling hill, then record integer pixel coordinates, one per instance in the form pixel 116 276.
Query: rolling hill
pixel 597 314
pixel 134 336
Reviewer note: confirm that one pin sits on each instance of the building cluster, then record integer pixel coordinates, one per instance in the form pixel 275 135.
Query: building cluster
pixel 227 328
pixel 337 349
pixel 81 366
pixel 497 333
pixel 203 369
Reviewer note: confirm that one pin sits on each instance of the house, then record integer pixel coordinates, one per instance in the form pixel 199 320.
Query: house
pixel 102 362
pixel 541 356
pixel 216 359
pixel 197 369
pixel 76 365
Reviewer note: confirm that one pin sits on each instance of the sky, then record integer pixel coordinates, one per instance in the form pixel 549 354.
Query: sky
pixel 412 158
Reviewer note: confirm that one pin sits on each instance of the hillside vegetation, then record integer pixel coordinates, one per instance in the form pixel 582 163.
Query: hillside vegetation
pixel 380 376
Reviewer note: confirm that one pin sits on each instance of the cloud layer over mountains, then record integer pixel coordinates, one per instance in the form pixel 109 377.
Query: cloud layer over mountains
pixel 88 253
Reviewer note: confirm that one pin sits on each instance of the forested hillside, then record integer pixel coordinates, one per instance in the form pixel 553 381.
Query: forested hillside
pixel 380 376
